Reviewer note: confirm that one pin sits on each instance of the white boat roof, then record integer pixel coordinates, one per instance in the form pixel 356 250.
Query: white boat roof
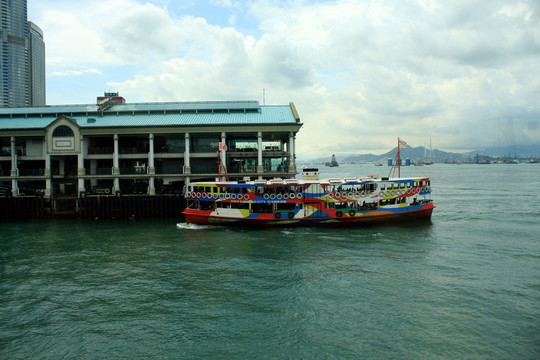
pixel 331 181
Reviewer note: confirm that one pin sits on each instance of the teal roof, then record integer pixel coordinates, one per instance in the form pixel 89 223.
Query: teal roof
pixel 151 114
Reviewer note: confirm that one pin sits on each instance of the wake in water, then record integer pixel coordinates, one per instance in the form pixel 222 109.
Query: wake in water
pixel 186 226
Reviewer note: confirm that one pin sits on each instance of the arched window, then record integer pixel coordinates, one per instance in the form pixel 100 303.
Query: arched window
pixel 63 131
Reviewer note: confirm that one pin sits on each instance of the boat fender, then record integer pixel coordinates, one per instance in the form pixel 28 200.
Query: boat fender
pixel 352 213
pixel 277 215
pixel 291 215
pixel 339 214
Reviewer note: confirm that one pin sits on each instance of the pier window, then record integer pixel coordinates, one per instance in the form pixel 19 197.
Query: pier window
pixel 204 143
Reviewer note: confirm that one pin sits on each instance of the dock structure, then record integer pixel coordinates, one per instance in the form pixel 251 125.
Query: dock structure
pixel 70 153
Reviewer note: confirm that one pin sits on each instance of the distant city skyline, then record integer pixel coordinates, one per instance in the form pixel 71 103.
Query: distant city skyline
pixel 22 58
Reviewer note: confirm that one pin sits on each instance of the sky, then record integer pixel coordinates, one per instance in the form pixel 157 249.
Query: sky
pixel 463 74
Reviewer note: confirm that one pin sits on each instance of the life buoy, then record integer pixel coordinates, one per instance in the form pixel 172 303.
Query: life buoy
pixel 233 196
pixel 246 197
pixel 291 215
pixel 107 190
pixel 352 213
pixel 277 215
pixel 266 196
pixel 279 196
pixel 272 196
pixel 350 195
pixel 285 196
pixel 381 194
pixel 198 195
pixel 299 195
pixel 338 195
pixel 339 214
pixel 292 196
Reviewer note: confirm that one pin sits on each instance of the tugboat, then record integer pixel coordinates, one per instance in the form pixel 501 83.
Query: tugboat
pixel 310 201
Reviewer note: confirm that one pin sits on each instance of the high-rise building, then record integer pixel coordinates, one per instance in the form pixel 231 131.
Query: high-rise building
pixel 36 58
pixel 22 57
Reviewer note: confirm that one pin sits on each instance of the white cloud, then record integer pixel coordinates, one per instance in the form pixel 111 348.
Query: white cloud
pixel 360 73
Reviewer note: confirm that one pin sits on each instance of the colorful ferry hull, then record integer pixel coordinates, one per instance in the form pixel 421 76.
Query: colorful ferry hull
pixel 333 202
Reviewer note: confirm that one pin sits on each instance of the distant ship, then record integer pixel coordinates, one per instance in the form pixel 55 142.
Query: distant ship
pixel 332 163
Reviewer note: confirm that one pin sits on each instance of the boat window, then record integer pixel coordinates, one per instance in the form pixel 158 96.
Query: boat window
pixel 402 185
pixel 285 206
pixel 261 208
pixel 214 189
pixel 383 187
pixel 207 189
pixel 237 205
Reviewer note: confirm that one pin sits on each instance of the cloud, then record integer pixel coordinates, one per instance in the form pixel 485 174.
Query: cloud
pixel 360 73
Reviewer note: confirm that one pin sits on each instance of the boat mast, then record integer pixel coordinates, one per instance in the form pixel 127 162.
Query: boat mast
pixel 397 160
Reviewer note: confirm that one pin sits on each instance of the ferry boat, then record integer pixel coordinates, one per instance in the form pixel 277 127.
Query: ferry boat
pixel 288 202
pixel 308 201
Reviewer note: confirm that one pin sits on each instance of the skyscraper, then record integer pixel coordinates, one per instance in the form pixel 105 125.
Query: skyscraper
pixel 22 58
pixel 36 58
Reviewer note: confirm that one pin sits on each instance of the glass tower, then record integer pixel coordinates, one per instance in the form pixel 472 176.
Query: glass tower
pixel 37 65
pixel 22 76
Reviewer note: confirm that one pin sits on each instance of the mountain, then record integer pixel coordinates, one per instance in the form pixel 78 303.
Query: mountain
pixel 421 153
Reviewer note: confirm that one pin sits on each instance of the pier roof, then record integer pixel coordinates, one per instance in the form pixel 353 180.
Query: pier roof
pixel 151 114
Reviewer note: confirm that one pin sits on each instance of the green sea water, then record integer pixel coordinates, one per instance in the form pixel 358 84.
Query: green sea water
pixel 465 285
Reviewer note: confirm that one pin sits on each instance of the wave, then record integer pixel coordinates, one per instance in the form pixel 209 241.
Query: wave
pixel 188 226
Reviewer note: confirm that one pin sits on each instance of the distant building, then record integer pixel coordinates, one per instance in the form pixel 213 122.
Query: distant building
pixel 22 57
pixel 115 147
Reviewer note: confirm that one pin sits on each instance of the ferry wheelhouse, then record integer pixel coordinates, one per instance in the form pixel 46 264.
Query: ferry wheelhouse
pixel 309 201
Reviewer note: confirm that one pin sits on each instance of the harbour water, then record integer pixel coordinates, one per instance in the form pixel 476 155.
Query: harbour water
pixel 465 285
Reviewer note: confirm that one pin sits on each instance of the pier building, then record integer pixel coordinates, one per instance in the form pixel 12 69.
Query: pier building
pixel 114 148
